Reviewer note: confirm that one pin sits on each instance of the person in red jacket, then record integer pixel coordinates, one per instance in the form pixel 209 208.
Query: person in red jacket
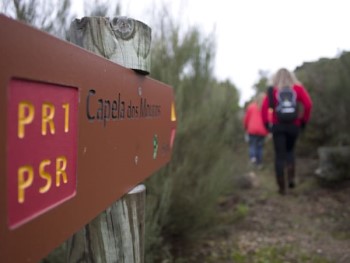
pixel 285 131
pixel 254 127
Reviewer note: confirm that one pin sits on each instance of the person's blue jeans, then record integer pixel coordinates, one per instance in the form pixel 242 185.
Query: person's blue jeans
pixel 256 146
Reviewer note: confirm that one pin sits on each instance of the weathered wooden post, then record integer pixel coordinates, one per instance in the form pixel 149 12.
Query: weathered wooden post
pixel 77 133
pixel 122 40
pixel 117 234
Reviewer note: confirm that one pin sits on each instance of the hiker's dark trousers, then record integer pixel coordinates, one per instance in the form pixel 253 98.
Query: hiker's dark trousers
pixel 284 139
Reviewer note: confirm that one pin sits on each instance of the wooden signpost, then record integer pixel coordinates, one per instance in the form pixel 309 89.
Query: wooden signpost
pixel 77 132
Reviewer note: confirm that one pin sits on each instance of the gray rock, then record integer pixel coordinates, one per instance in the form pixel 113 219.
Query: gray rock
pixel 334 163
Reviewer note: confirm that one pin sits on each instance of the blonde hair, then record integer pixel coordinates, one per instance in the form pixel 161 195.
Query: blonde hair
pixel 283 78
pixel 259 98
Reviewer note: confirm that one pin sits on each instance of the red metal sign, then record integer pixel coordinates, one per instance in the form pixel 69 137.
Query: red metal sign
pixel 77 132
pixel 41 148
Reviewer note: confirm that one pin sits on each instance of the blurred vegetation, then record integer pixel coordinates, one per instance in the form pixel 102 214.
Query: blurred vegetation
pixel 182 197
pixel 328 81
pixel 53 17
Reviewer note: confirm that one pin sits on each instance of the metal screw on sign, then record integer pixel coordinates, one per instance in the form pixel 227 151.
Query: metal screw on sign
pixel 155 146
pixel 136 159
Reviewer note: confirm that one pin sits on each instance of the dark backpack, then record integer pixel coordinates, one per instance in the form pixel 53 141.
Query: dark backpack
pixel 286 107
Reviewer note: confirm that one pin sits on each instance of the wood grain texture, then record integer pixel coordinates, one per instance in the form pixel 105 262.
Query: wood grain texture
pixel 122 40
pixel 117 234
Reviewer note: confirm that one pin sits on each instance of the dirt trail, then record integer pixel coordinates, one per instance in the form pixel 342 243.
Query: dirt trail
pixel 309 224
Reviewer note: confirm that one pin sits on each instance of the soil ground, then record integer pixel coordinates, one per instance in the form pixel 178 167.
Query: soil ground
pixel 311 223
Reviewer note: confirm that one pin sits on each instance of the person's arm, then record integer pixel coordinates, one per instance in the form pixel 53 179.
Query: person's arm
pixel 265 111
pixel 246 118
pixel 307 102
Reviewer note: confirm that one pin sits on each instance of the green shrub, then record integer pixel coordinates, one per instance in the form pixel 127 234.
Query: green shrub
pixel 182 197
pixel 328 81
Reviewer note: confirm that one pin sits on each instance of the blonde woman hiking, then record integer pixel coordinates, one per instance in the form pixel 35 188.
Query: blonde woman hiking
pixel 285 99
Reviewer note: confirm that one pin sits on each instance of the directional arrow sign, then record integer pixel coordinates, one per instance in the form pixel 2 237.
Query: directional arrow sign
pixel 77 132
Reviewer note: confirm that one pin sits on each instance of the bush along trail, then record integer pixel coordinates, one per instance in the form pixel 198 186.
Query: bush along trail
pixel 311 223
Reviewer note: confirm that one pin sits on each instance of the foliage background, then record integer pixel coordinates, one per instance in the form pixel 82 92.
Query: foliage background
pixel 328 81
